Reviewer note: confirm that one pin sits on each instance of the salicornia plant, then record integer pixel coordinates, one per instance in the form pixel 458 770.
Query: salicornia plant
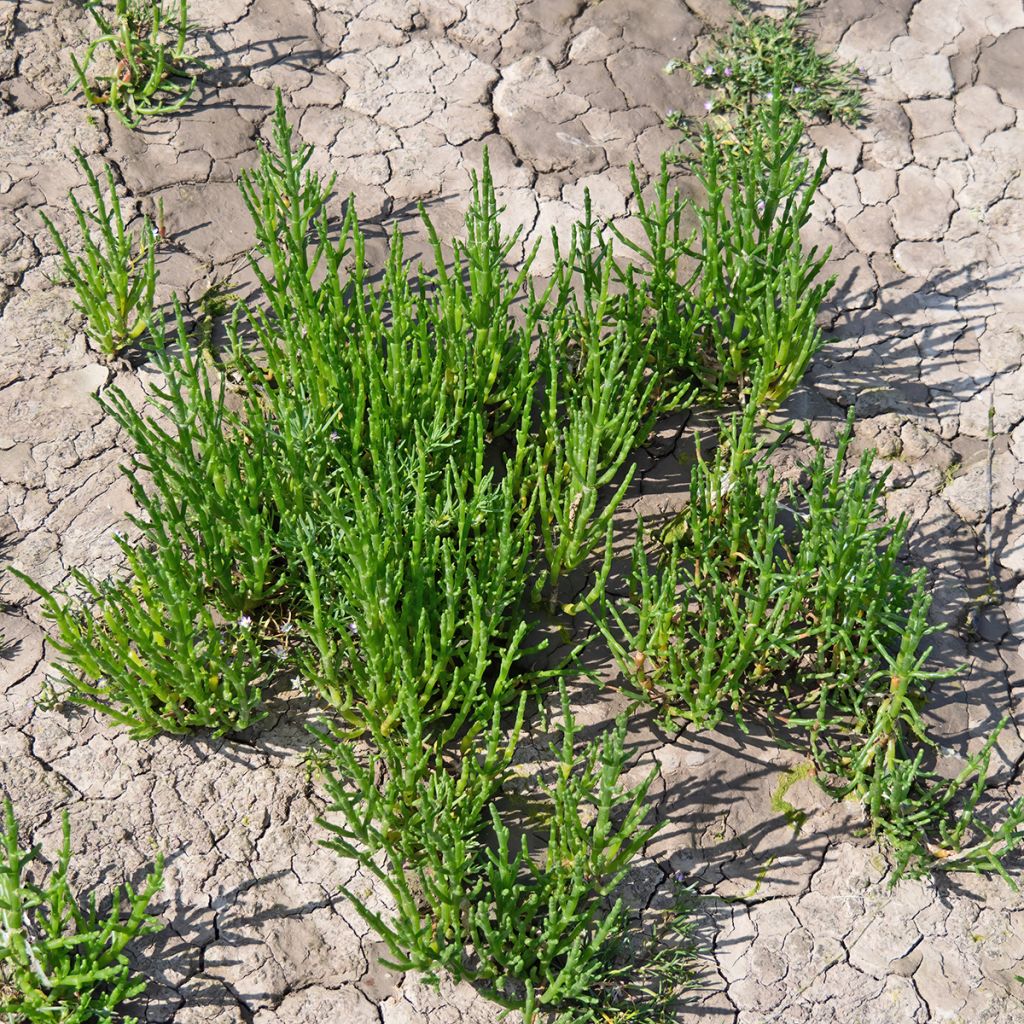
pixel 149 653
pixel 62 961
pixel 199 474
pixel 114 276
pixel 485 350
pixel 597 408
pixel 392 468
pixel 287 204
pixel 145 42
pixel 535 930
pixel 759 57
pixel 759 291
pixel 789 603
pixel 416 579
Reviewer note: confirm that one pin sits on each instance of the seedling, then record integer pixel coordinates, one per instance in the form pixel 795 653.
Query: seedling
pixel 115 276
pixel 61 960
pixel 151 75
pixel 650 976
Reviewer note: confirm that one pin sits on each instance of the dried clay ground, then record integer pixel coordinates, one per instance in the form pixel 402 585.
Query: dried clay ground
pixel 924 209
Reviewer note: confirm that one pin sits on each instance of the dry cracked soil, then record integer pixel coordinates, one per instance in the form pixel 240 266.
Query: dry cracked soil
pixel 924 210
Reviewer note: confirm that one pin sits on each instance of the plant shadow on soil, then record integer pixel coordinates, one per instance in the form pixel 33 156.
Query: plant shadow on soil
pixel 9 649
pixel 182 950
pixel 232 67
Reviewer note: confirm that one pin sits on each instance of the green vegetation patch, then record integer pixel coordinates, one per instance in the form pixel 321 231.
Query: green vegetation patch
pixel 758 59
pixel 62 961
pixel 143 68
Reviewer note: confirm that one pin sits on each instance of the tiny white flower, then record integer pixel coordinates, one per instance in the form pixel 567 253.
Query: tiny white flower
pixel 708 105
pixel 280 653
pixel 709 71
pixel 244 621
pixel 287 627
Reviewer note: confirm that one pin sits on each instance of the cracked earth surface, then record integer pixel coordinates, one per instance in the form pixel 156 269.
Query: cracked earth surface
pixel 924 210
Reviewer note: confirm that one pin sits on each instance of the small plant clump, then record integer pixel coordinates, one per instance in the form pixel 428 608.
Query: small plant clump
pixel 115 276
pixel 788 604
pixel 144 41
pixel 185 669
pixel 532 930
pixel 759 59
pixel 61 960
pixel 758 289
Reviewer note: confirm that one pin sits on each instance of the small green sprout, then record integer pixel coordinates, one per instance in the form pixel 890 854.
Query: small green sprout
pixel 115 276
pixel 150 75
